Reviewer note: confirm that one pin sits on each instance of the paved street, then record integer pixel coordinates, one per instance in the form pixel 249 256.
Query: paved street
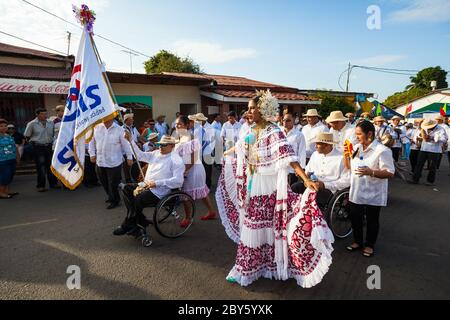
pixel 42 234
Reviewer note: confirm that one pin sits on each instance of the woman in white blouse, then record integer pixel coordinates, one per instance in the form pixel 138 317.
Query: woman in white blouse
pixel 371 166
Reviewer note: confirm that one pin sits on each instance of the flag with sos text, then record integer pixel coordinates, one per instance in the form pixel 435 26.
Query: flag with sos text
pixel 89 103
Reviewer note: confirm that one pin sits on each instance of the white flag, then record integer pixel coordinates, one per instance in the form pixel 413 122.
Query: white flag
pixel 88 104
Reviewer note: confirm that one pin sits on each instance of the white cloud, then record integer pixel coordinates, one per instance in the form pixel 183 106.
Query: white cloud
pixel 211 53
pixel 423 11
pixel 27 22
pixel 379 61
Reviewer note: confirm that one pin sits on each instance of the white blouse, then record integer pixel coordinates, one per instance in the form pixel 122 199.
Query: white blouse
pixel 368 190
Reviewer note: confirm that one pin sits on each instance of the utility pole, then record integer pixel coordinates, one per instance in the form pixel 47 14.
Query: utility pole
pixel 131 53
pixel 69 37
pixel 348 75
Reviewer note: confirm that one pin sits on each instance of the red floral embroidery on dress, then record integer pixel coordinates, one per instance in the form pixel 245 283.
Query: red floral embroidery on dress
pixel 252 260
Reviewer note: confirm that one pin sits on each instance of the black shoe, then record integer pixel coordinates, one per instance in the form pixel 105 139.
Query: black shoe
pixel 55 187
pixel 113 205
pixel 108 201
pixel 122 230
pixel 412 182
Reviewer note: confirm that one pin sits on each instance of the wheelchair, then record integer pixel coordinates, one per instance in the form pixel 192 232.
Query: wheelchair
pixel 167 214
pixel 337 214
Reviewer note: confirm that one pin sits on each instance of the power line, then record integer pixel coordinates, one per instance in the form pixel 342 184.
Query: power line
pixel 75 25
pixel 33 43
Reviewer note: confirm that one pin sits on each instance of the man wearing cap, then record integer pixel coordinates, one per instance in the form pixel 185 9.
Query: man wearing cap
pixel 230 131
pixel 327 165
pixel 311 130
pixel 432 138
pixel 297 140
pixel 41 132
pixel 106 150
pixel 165 172
pixel 341 129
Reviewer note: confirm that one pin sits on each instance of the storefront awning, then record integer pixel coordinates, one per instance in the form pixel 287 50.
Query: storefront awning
pixel 145 101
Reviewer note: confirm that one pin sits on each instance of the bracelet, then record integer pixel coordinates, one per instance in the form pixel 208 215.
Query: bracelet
pixel 373 174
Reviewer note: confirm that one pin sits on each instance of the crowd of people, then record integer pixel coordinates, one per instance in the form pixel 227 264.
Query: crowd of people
pixel 319 155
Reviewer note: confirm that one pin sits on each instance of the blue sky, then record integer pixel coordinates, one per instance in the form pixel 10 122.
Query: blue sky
pixel 305 44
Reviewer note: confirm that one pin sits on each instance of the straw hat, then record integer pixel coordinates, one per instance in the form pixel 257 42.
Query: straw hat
pixel 10 126
pixel 336 116
pixel 396 118
pixel 152 136
pixel 379 118
pixel 198 117
pixel 312 113
pixel 60 108
pixel 128 116
pixel 166 140
pixel 439 117
pixel 325 137
pixel 429 124
pixel 348 115
pixel 365 115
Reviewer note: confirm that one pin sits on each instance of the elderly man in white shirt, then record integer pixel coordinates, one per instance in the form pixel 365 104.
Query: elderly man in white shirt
pixel 432 138
pixel 106 150
pixel 297 140
pixel 328 167
pixel 165 173
pixel 230 131
pixel 398 134
pixel 440 119
pixel 341 129
pixel 311 130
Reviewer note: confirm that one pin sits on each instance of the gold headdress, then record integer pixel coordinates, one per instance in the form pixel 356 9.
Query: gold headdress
pixel 267 104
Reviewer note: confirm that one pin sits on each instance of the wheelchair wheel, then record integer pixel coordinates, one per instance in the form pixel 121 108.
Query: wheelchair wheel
pixel 338 215
pixel 170 212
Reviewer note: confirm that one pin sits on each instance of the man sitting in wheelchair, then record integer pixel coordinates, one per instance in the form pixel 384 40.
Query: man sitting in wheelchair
pixel 165 172
pixel 327 169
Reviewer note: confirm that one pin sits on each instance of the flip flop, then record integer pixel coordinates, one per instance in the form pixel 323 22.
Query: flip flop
pixel 209 216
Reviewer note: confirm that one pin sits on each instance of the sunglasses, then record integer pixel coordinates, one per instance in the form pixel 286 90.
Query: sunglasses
pixel 287 120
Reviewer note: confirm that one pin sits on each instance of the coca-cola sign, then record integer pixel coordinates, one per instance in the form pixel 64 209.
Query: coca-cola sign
pixel 33 86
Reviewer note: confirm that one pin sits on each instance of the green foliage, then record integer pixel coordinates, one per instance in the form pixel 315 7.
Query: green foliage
pixel 165 61
pixel 420 86
pixel 332 103
pixel 401 98
pixel 424 77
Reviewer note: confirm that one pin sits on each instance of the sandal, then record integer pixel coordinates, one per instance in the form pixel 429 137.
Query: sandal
pixel 209 216
pixel 353 249
pixel 231 280
pixel 368 254
pixel 185 223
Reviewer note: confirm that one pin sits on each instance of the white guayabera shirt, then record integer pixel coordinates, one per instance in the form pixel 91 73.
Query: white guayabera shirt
pixel 330 169
pixel 368 190
pixel 346 133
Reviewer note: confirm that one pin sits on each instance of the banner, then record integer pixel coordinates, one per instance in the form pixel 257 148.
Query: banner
pixel 33 86
pixel 89 103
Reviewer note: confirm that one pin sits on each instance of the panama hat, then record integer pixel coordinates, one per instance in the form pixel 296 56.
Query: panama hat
pixel 379 118
pixel 336 116
pixel 439 117
pixel 152 136
pixel 166 140
pixel 396 118
pixel 365 115
pixel 198 117
pixel 60 108
pixel 325 137
pixel 312 113
pixel 350 114
pixel 429 124
pixel 128 116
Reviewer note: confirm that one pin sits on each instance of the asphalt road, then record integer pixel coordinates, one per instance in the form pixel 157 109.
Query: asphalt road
pixel 42 234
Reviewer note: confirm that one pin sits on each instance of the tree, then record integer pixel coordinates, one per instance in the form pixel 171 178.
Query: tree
pixel 420 86
pixel 332 103
pixel 424 77
pixel 165 61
